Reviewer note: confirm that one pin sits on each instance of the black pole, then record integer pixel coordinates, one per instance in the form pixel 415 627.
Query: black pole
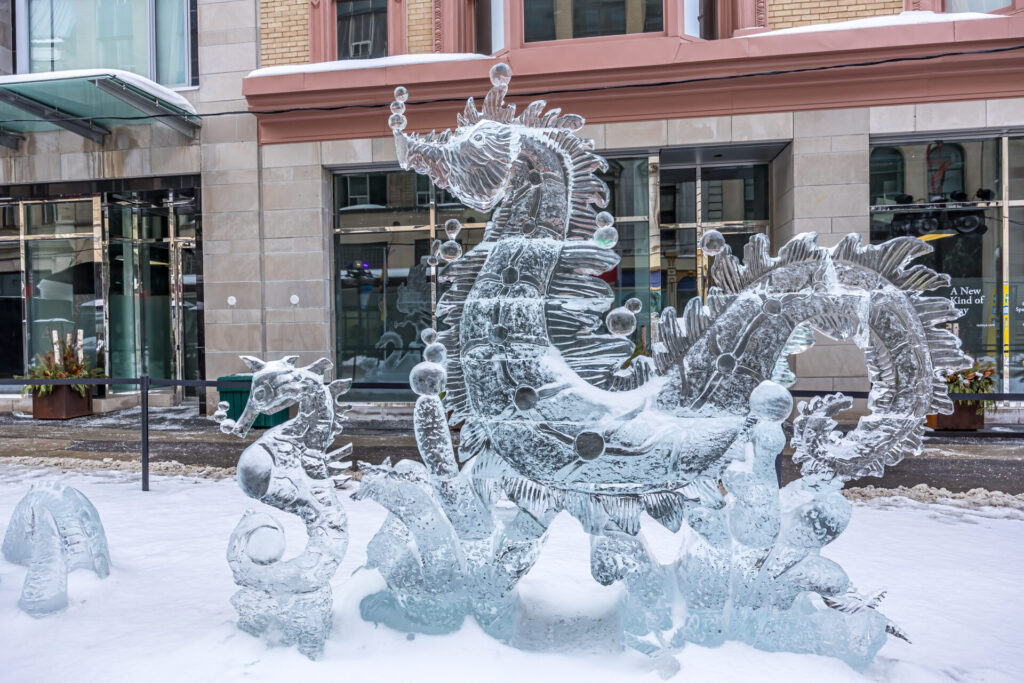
pixel 144 386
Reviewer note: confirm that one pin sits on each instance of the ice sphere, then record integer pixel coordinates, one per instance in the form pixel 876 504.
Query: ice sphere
pixel 620 321
pixel 397 122
pixel 606 238
pixel 556 414
pixel 428 379
pixel 54 530
pixel 452 227
pixel 501 74
pixel 428 335
pixel 435 353
pixel 450 250
pixel 288 601
pixel 401 94
pixel 397 107
pixel 712 243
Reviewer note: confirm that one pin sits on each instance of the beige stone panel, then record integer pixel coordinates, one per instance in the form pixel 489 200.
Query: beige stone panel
pixel 594 131
pixel 237 268
pixel 237 14
pixel 215 294
pixel 129 137
pixel 227 248
pixel 240 128
pixel 1008 112
pixel 233 337
pixel 226 198
pixel 782 208
pixel 850 143
pixel 830 361
pixel 782 170
pixel 752 127
pixel 43 142
pixel 834 168
pixel 237 176
pixel 820 145
pixel 228 155
pixel 383 149
pixel 313 294
pixel 294 195
pixel 225 86
pixel 227 363
pixel 293 223
pixel 215 316
pixel 339 152
pixel 241 226
pixel 174 160
pixel 80 166
pixel 823 384
pixel 700 130
pixel 817 201
pixel 297 338
pixel 809 124
pixel 830 239
pixel 285 174
pixel 162 136
pixel 37 168
pixel 227 57
pixel 70 143
pixel 7 169
pixel 950 115
pixel 842 225
pixel 125 163
pixel 294 245
pixel 227 36
pixel 284 266
pixel 635 134
pixel 292 154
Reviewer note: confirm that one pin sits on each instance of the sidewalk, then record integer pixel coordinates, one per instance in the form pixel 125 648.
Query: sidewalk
pixel 992 459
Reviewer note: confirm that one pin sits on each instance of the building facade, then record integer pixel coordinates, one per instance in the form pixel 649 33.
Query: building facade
pixel 284 225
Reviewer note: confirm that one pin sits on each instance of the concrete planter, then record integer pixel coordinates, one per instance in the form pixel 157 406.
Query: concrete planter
pixel 61 404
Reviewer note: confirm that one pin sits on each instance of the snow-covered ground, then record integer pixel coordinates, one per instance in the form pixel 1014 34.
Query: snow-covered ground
pixel 953 574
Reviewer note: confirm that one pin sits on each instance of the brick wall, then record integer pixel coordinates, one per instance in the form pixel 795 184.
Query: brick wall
pixel 419 32
pixel 789 13
pixel 284 32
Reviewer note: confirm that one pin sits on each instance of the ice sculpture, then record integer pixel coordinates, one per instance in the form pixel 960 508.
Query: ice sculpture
pixel 291 468
pixel 554 418
pixel 54 530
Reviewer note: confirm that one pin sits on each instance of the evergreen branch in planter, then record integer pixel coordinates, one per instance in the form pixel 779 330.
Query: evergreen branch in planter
pixel 48 366
pixel 977 379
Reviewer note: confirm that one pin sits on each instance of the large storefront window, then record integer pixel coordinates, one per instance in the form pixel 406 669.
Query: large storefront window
pixel 152 38
pixel 948 193
pixel 564 19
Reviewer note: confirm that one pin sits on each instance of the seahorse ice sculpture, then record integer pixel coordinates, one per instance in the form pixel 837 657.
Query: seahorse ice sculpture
pixel 290 467
pixel 554 419
pixel 54 530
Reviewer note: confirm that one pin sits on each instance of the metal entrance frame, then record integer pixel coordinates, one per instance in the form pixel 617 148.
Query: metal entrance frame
pixel 99 236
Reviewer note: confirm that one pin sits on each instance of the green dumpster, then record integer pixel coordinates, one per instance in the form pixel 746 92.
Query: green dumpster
pixel 237 397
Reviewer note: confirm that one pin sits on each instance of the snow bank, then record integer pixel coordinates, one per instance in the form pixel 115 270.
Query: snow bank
pixel 910 18
pixel 163 614
pixel 379 62
pixel 135 80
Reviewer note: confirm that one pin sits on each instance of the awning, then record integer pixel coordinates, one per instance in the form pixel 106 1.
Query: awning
pixel 88 102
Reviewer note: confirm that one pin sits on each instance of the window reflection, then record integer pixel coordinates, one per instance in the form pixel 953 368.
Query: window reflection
pixel 565 19
pixel 362 29
pixel 12 356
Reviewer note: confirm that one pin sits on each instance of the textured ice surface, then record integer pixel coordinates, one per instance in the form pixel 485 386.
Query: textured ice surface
pixel 289 602
pixel 54 530
pixel 553 418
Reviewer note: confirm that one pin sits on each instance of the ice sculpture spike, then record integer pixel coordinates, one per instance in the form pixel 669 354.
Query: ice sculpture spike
pixel 54 530
pixel 289 601
pixel 530 363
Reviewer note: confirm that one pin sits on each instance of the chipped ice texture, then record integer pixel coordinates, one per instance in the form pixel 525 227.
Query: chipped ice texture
pixel 289 602
pixel 554 419
pixel 54 530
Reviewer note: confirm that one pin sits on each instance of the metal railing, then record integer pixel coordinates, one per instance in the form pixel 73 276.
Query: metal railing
pixel 145 382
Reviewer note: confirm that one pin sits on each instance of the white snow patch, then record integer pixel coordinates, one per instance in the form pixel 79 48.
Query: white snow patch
pixel 379 62
pixel 163 613
pixel 910 18
pixel 135 80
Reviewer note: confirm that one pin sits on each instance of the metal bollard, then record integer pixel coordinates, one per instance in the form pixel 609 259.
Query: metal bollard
pixel 144 388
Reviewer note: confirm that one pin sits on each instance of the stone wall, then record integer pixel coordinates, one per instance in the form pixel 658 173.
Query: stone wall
pixel 6 38
pixel 789 13
pixel 284 32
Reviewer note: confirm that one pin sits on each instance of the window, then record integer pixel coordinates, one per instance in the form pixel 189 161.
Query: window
pixel 887 168
pixel 976 5
pixel 564 19
pixel 945 164
pixel 362 29
pixel 59 35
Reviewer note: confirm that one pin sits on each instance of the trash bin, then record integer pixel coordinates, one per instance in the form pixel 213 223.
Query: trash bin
pixel 237 397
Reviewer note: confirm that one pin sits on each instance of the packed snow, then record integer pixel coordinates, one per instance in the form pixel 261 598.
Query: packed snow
pixel 376 63
pixel 909 18
pixel 163 614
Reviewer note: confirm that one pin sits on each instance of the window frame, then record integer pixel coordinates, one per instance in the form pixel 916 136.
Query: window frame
pixel 22 38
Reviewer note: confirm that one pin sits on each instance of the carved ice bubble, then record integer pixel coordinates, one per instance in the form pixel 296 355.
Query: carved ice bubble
pixel 428 379
pixel 452 228
pixel 712 243
pixel 606 238
pixel 621 321
pixel 450 250
pixel 435 353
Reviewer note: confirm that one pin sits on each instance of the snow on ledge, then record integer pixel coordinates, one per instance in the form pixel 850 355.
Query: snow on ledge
pixel 351 64
pixel 910 18
pixel 134 80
